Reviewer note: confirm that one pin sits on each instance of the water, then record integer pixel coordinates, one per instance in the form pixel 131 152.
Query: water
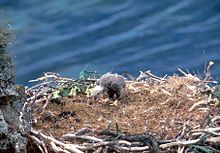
pixel 113 35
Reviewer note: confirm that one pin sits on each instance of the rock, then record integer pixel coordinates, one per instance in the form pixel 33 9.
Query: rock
pixel 3 127
pixel 15 115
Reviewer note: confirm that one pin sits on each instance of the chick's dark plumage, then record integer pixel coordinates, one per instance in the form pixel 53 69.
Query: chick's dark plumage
pixel 112 84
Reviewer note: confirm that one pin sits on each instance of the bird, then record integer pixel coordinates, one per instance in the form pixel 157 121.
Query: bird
pixel 110 83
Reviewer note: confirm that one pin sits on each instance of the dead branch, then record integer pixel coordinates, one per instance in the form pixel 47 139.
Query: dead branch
pixel 203 102
pixel 58 149
pixel 69 147
pixel 156 78
pixel 39 144
pixel 208 71
pixel 72 137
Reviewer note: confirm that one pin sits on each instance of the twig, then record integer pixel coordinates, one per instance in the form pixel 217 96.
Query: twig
pixel 153 76
pixel 181 149
pixel 39 85
pixel 38 143
pixel 145 148
pixel 47 101
pixel 208 130
pixel 214 140
pixel 203 102
pixel 72 137
pixel 215 119
pixel 178 143
pixel 57 149
pixel 205 131
pixel 99 150
pixel 208 71
pixel 69 147
pixel 182 72
pixel 166 92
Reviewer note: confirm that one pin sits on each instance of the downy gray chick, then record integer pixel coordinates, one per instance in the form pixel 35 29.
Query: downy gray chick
pixel 110 83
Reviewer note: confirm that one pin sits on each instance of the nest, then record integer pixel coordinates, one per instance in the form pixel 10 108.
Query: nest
pixel 170 114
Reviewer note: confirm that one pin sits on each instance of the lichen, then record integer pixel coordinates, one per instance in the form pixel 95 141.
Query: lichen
pixel 15 116
pixel 5 37
pixel 3 126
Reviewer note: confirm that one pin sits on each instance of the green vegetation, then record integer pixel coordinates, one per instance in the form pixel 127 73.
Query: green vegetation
pixel 73 89
pixel 82 86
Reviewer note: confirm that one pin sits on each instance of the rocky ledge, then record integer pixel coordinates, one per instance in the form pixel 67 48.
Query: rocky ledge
pixel 15 115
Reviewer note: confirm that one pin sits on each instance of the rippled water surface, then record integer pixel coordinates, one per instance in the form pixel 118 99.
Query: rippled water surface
pixel 113 35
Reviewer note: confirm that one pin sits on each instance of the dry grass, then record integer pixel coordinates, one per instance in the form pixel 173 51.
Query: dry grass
pixel 166 108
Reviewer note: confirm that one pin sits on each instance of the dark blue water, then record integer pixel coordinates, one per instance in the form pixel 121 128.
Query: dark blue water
pixel 113 35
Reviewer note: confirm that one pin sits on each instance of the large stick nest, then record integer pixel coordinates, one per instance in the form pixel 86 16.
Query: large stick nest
pixel 170 114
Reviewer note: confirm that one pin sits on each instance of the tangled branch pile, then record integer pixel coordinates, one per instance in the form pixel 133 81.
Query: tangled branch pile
pixel 170 114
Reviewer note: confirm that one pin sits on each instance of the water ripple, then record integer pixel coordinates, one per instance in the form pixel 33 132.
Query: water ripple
pixel 122 35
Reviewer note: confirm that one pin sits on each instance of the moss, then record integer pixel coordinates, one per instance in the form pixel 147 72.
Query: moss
pixel 12 99
pixel 5 37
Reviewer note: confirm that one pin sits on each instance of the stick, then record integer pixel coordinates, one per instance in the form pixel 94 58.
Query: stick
pixel 69 147
pixel 208 71
pixel 57 149
pixel 181 71
pixel 153 76
pixel 72 137
pixel 38 143
pixel 203 102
